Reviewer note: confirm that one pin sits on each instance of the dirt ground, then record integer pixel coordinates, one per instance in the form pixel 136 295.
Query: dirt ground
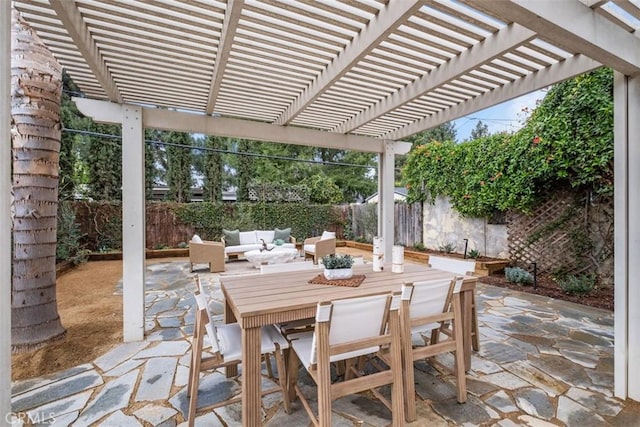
pixel 92 315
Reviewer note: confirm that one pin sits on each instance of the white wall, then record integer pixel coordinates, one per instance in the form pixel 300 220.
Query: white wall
pixel 443 225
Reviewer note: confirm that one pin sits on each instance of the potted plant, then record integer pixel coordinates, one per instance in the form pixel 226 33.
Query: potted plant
pixel 337 267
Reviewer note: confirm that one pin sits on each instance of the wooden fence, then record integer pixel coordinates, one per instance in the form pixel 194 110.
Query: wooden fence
pixel 407 220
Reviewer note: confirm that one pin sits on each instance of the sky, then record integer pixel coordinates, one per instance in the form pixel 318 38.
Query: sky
pixel 507 116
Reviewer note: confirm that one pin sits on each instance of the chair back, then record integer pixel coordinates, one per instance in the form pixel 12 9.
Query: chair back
pixel 354 324
pixel 203 315
pixel 457 266
pixel 289 266
pixel 427 301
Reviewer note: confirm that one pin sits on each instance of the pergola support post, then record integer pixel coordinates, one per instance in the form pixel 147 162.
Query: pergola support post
pixel 5 213
pixel 133 223
pixel 627 236
pixel 386 187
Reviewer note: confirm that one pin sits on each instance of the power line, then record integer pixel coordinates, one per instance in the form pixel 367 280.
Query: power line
pixel 218 150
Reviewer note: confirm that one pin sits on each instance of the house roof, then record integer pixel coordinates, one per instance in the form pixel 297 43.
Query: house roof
pixel 382 69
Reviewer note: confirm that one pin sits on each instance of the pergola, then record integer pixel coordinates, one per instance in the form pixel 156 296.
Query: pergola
pixel 347 74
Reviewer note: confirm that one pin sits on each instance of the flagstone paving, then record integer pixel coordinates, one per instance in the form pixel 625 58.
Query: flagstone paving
pixel 542 362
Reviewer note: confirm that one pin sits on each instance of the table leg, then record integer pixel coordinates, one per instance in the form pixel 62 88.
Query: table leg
pixel 251 387
pixel 466 299
pixel 229 317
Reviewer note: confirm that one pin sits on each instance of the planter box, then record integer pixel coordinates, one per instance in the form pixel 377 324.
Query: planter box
pixel 483 267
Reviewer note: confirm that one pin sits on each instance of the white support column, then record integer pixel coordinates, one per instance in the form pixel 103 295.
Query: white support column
pixel 386 189
pixel 5 212
pixel 627 236
pixel 133 223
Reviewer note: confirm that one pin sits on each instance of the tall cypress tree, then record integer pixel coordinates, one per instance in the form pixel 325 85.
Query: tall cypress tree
pixel 105 164
pixel 244 171
pixel 179 160
pixel 213 169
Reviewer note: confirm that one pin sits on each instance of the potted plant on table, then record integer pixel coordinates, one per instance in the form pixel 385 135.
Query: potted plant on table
pixel 337 267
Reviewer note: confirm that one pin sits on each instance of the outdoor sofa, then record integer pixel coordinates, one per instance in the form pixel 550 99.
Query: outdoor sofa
pixel 238 242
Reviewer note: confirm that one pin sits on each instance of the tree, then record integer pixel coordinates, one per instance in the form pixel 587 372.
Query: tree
pixel 440 133
pixel 481 130
pixel 244 171
pixel 36 80
pixel 179 161
pixel 104 161
pixel 213 169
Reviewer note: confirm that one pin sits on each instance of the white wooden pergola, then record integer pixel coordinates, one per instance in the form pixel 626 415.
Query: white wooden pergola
pixel 348 74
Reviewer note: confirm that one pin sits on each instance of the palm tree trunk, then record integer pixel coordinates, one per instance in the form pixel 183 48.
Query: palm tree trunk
pixel 36 83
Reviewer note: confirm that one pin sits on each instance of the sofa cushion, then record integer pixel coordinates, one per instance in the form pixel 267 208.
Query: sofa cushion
pixel 310 248
pixel 231 237
pixel 328 235
pixel 284 234
pixel 196 239
pixel 241 248
pixel 266 235
pixel 248 238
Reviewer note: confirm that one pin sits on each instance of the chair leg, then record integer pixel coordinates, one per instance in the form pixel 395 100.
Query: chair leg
pixel 475 334
pixel 282 380
pixel 293 364
pixel 460 368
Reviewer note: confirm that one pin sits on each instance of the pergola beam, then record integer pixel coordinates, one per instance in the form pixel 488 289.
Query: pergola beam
pixel 387 20
pixel 575 26
pixel 481 53
pixel 68 13
pixel 556 73
pixel 155 118
pixel 228 32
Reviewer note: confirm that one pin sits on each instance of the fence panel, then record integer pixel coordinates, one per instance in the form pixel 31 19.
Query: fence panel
pixel 407 220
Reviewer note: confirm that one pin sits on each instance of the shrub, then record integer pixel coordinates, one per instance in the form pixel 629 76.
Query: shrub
pixel 474 253
pixel 333 262
pixel 577 284
pixel 68 236
pixel 419 247
pixel 518 276
pixel 447 248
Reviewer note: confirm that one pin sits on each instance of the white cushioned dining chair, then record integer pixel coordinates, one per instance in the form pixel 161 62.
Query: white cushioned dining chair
pixel 466 268
pixel 425 307
pixel 226 347
pixel 347 330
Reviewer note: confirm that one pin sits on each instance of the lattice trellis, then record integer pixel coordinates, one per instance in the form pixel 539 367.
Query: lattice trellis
pixel 544 236
pixel 278 193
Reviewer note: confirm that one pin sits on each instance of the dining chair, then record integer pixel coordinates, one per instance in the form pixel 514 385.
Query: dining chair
pixel 459 267
pixel 226 344
pixel 345 330
pixel 425 306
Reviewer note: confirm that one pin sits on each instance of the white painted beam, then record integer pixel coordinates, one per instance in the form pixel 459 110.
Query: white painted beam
pixel 231 18
pixel 133 223
pixel 386 201
pixel 627 236
pixel 154 118
pixel 558 72
pixel 5 212
pixel 387 20
pixel 493 46
pixel 573 25
pixel 71 18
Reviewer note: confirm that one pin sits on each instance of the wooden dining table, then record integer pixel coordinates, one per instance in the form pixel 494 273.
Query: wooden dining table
pixel 258 300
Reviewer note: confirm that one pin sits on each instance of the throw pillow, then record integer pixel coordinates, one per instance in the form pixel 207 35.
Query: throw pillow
pixel 231 237
pixel 284 234
pixel 196 239
pixel 328 235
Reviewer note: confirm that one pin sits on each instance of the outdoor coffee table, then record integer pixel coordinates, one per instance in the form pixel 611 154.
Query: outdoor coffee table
pixel 275 256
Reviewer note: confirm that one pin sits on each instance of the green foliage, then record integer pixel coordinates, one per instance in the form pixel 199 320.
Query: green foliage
pixel 179 161
pixel 443 132
pixel 577 284
pixel 480 131
pixel 110 235
pixel 213 169
pixel 306 220
pixel 104 162
pixel 566 141
pixel 518 276
pixel 323 190
pixel 419 247
pixel 68 236
pixel 333 262
pixel 473 253
pixel 447 248
pixel 244 171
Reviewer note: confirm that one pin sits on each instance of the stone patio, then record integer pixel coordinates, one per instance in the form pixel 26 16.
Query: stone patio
pixel 542 362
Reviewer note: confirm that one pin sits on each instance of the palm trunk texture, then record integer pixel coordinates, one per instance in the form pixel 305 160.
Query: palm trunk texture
pixel 36 87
